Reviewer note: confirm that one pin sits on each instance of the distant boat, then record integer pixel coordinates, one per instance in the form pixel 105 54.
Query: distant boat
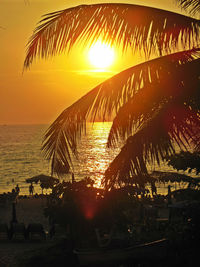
pixel 152 251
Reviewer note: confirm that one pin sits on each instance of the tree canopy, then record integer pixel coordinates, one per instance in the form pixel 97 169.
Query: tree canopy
pixel 155 104
pixel 185 161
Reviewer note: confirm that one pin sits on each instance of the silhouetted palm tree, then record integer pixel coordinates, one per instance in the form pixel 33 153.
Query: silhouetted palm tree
pixel 156 104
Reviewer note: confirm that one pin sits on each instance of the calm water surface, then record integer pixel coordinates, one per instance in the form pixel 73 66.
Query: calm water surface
pixel 21 156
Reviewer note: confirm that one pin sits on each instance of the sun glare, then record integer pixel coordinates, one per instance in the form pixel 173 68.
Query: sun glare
pixel 101 55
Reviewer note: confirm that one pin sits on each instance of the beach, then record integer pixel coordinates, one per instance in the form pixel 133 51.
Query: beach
pixel 28 210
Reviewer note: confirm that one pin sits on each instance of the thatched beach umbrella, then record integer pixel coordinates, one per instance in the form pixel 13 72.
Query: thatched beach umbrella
pixel 45 181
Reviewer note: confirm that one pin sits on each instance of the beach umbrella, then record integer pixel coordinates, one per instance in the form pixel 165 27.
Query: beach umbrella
pixel 44 180
pixel 14 215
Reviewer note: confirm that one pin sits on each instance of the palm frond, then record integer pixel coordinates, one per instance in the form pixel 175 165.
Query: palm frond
pixel 142 28
pixel 155 141
pixel 193 6
pixel 171 84
pixel 60 140
pixel 104 100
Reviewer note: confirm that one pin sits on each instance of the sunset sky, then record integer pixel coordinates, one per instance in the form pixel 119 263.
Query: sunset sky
pixel 40 94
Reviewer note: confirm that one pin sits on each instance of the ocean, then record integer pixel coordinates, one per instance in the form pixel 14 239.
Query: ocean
pixel 21 156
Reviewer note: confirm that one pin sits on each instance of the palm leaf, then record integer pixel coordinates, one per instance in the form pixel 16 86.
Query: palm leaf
pixel 104 100
pixel 140 107
pixel 193 6
pixel 172 124
pixel 142 28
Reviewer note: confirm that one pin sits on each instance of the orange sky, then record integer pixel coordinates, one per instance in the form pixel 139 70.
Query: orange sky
pixel 41 93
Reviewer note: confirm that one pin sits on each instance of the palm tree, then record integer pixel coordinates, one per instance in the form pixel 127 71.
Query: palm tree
pixel 186 161
pixel 155 104
pixel 193 6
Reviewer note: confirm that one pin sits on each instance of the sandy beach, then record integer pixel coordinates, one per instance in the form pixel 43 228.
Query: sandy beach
pixel 28 210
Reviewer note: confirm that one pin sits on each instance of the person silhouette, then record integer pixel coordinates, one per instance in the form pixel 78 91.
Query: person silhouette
pixel 169 197
pixel 31 189
pixel 17 189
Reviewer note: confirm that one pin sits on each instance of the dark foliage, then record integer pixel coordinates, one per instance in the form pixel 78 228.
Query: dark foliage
pixel 185 161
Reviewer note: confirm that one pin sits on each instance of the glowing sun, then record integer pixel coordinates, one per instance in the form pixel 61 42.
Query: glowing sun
pixel 101 55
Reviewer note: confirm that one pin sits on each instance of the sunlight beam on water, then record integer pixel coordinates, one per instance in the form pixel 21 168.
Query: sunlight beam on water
pixel 21 156
pixel 94 153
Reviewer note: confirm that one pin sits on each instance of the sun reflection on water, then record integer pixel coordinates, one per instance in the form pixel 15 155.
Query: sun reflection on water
pixel 94 156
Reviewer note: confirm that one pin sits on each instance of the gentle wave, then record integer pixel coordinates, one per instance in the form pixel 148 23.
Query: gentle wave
pixel 22 158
